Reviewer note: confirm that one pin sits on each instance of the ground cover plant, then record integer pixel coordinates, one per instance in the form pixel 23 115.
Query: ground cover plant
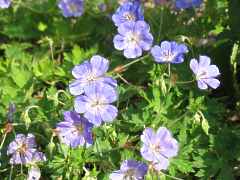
pixel 119 90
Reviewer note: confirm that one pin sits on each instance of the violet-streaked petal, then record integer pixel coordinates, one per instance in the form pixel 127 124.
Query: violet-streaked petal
pixel 194 66
pixel 212 82
pixel 202 85
pixel 99 65
pixel 80 104
pixel 108 113
pixel 119 43
pixel 81 70
pixel 132 52
pixel 161 164
pixel 94 118
pixel 76 88
pixel 204 61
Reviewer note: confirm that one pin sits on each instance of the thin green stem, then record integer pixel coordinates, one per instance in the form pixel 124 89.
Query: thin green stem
pixel 21 169
pixel 169 70
pixel 11 172
pixel 131 63
pixel 172 177
pixel 169 76
pixel 160 25
pixel 3 140
pixel 185 82
pixel 135 61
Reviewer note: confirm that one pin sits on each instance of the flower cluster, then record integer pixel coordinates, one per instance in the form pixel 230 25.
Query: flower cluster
pixel 157 148
pixel 134 35
pixel 23 150
pixel 95 92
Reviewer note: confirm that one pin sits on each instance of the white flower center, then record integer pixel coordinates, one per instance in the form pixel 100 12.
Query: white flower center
pixel 202 74
pixel 129 16
pixel 130 174
pixel 96 104
pixel 73 7
pixel 78 129
pixel 168 56
pixel 22 148
pixel 155 148
pixel 133 39
pixel 91 77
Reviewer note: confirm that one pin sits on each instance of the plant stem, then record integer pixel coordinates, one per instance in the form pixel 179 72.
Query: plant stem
pixel 185 82
pixel 169 76
pixel 160 24
pixel 11 171
pixel 172 177
pixel 135 61
pixel 3 140
pixel 169 70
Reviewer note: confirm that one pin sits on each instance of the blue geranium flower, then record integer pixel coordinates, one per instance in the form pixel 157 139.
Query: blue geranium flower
pixel 5 3
pixel 158 147
pixel 89 73
pixel 75 130
pixel 128 11
pixel 71 8
pixel 130 169
pixel 95 104
pixel 183 4
pixel 133 38
pixel 169 52
pixel 205 73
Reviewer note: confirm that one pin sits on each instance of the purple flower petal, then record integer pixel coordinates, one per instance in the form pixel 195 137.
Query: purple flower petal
pixel 80 71
pixel 119 42
pixel 205 73
pixel 212 82
pixel 76 88
pixel 194 65
pixel 99 65
pixel 75 132
pixel 133 52
pixel 169 52
pixel 204 61
pixel 202 84
pixel 109 113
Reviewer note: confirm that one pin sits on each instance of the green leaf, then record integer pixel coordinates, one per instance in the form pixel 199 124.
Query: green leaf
pixel 20 75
